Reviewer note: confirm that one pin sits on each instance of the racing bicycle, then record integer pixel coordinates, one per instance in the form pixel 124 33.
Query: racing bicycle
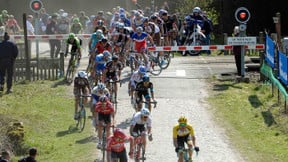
pixel 185 153
pixel 81 114
pixel 71 69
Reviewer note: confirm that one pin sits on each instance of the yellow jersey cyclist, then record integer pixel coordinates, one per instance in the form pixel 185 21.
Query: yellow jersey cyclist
pixel 76 47
pixel 183 133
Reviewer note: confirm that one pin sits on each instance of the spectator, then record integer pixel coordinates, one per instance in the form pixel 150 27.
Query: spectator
pixel 51 29
pixel 83 19
pixel 237 51
pixel 31 157
pixel 30 27
pixel 4 17
pixel 5 156
pixel 12 25
pixel 8 54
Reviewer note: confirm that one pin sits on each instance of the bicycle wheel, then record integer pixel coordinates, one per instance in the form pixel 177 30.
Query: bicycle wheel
pixel 81 119
pixel 165 60
pixel 143 158
pixel 137 153
pixel 70 72
pixel 155 68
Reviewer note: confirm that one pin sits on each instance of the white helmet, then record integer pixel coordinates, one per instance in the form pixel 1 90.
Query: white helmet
pixel 82 74
pixel 145 112
pixel 196 10
pixel 101 86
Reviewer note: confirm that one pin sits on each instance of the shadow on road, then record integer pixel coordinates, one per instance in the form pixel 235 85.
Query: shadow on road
pixel 61 82
pixel 71 129
pixel 87 140
pixel 223 87
pixel 124 124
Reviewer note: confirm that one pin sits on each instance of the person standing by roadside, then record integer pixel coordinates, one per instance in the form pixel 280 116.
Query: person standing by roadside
pixel 52 28
pixel 30 27
pixel 237 51
pixel 5 156
pixel 8 54
pixel 31 157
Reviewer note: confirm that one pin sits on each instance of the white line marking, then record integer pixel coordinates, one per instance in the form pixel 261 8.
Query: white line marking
pixel 181 73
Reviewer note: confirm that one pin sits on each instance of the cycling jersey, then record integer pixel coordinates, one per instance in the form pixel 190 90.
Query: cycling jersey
pixel 81 85
pixel 104 108
pixel 96 94
pixel 95 40
pixel 177 132
pixel 135 78
pixel 140 87
pixel 101 62
pixel 138 120
pixel 115 145
pixel 140 41
pixel 76 44
pixel 101 47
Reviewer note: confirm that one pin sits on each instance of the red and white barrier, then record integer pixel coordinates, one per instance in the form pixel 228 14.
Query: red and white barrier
pixel 199 48
pixel 159 48
pixel 47 37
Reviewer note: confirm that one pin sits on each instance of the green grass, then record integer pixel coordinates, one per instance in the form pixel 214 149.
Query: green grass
pixel 253 120
pixel 47 111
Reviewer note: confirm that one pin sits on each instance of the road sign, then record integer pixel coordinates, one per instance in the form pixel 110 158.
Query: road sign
pixel 36 5
pixel 241 41
pixel 242 15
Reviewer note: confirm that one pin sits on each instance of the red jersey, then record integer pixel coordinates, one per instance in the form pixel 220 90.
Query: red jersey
pixel 116 146
pixel 100 47
pixel 104 108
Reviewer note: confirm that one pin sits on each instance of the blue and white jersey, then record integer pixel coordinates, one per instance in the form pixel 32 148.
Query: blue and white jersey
pixel 101 63
pixel 139 38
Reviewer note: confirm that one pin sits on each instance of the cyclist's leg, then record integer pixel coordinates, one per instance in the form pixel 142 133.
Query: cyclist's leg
pixel 107 120
pixel 100 127
pixel 77 93
pixel 123 156
pixel 180 143
pixel 190 146
pixel 148 100
pixel 143 136
pixel 138 97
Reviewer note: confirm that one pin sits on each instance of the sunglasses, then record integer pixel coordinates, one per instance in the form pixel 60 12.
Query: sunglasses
pixel 182 124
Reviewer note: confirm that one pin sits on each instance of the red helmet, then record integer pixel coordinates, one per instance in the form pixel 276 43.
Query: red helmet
pixel 119 133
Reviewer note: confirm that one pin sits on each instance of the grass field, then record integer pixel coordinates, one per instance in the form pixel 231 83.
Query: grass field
pixel 253 119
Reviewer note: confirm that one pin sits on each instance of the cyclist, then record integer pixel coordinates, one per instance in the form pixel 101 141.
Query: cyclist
pixel 104 114
pixel 141 91
pixel 135 78
pixel 141 123
pixel 139 37
pixel 95 38
pixel 75 49
pixel 101 26
pixel 102 45
pixel 169 25
pixel 183 133
pixel 100 63
pixel 97 92
pixel 81 86
pixel 116 146
pixel 113 71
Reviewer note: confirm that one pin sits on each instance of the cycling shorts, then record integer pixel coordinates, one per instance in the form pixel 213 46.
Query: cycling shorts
pixel 182 140
pixel 139 128
pixel 104 117
pixel 80 90
pixel 121 155
pixel 140 94
pixel 111 76
pixel 140 47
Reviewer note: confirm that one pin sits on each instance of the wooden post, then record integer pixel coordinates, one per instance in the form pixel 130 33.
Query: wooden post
pixel 27 70
pixel 225 42
pixel 62 64
pixel 262 54
pixel 278 30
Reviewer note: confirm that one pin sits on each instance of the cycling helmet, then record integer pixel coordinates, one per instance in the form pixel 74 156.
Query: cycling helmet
pixel 104 39
pixel 139 29
pixel 76 20
pixel 100 23
pixel 71 36
pixel 118 133
pixel 145 112
pixel 182 120
pixel 106 53
pixel 82 74
pixel 99 32
pixel 196 10
pixel 101 86
pixel 122 16
pixel 145 19
pixel 146 78
pixel 142 69
pixel 153 17
pixel 162 11
pixel 187 18
pixel 120 25
pixel 115 58
pixel 103 99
